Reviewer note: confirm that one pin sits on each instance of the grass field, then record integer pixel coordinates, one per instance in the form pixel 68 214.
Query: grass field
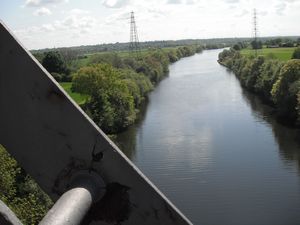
pixel 277 53
pixel 78 98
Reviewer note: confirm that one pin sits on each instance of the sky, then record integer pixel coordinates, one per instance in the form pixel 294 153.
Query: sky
pixel 63 23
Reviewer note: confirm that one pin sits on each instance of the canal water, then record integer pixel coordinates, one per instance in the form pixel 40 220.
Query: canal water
pixel 215 150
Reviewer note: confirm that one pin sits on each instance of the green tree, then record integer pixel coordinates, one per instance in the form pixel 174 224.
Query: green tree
pixel 256 44
pixel 296 53
pixel 286 88
pixel 111 104
pixel 236 47
pixel 54 63
pixel 269 73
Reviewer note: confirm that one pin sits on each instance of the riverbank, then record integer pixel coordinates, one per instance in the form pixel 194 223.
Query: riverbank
pixel 276 82
pixel 117 86
pixel 214 149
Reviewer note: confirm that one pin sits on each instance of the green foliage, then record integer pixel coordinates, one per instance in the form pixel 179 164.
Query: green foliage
pixel 80 99
pixel 269 73
pixel 54 63
pixel 256 44
pixel 236 47
pixel 276 81
pixel 9 171
pixel 298 107
pixel 117 84
pixel 20 192
pixel 109 58
pixel 138 85
pixel 111 105
pixel 251 72
pixel 287 87
pixel 282 54
pixel 29 209
pixel 296 53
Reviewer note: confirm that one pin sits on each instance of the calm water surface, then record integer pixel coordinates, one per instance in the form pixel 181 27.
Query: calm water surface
pixel 215 150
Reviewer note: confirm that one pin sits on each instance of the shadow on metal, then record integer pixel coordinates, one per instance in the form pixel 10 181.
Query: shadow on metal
pixel 53 140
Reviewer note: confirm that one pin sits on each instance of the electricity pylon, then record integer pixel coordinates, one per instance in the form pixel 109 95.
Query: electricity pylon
pixel 134 45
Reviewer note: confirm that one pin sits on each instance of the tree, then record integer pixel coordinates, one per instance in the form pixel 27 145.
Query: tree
pixel 236 47
pixel 53 62
pixel 296 54
pixel 256 44
pixel 286 88
pixel 111 104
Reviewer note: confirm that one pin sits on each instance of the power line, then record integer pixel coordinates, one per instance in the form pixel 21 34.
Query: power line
pixel 134 46
pixel 255 30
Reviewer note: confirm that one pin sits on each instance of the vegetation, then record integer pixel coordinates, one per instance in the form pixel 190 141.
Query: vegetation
pixel 110 87
pixel 296 53
pixel 111 104
pixel 20 192
pixel 256 44
pixel 282 54
pixel 55 65
pixel 80 99
pixel 118 84
pixel 276 81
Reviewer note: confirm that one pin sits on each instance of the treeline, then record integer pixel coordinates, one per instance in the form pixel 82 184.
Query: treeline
pixel 20 193
pixel 275 81
pixel 116 83
pixel 77 51
pixel 117 86
pixel 282 42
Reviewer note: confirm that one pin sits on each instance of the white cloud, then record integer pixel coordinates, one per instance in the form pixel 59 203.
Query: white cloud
pixel 42 12
pixel 32 3
pixel 78 12
pixel 174 2
pixel 280 8
pixel 262 13
pixel 115 3
pixel 75 23
pixel 103 21
pixel 232 1
pixel 243 13
pixel 47 27
pixel 38 3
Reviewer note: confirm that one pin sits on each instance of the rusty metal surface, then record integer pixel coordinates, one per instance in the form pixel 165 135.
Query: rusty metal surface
pixel 52 138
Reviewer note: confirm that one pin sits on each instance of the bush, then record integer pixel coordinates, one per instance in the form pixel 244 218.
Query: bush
pixel 20 193
pixel 286 88
pixel 269 73
pixel 111 104
pixel 296 54
pixel 277 82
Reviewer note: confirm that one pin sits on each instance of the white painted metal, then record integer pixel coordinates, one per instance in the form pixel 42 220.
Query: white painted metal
pixel 52 139
pixel 7 217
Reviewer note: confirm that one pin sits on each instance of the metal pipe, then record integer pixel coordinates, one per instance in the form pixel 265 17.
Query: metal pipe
pixel 7 217
pixel 74 204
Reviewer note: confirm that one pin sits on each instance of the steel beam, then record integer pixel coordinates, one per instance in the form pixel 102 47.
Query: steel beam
pixel 52 139
pixel 72 206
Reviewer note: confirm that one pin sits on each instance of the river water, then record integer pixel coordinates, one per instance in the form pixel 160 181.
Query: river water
pixel 215 150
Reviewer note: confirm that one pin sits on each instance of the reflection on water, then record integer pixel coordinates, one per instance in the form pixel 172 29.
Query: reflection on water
pixel 215 150
pixel 287 138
